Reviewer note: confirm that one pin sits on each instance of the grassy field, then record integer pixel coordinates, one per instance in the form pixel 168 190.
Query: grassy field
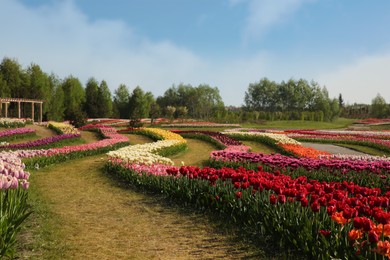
pixel 298 124
pixel 380 127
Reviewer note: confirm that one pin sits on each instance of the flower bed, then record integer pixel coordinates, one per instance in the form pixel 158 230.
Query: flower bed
pixel 370 174
pixel 62 128
pixel 10 134
pixel 13 199
pixel 151 153
pixel 198 125
pixel 14 122
pixel 44 143
pixel 300 214
pixel 374 121
pixel 279 141
pixel 36 158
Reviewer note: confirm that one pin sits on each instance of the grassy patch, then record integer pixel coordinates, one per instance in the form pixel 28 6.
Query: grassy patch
pixel 197 152
pixel 138 139
pixel 298 124
pixel 380 127
pixel 259 147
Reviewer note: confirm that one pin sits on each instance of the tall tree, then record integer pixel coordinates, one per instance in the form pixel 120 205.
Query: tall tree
pixel 261 96
pixel 92 102
pixel 11 72
pixel 341 101
pixel 121 101
pixel 202 101
pixel 105 100
pixel 379 107
pixel 74 97
pixel 55 107
pixel 4 89
pixel 38 86
pixel 138 104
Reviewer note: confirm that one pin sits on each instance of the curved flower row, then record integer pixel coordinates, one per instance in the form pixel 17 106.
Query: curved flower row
pixel 279 138
pixel 342 133
pixel 112 138
pixel 14 122
pixel 16 131
pixel 349 157
pixel 282 140
pixel 377 138
pixel 40 142
pixel 62 128
pixel 280 161
pixel 304 151
pixel 199 125
pixel 146 153
pixel 164 134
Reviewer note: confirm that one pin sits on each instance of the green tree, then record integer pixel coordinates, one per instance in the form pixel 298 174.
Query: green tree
pixel 138 105
pixel 154 112
pixel 74 97
pixel 55 107
pixel 261 96
pixel 38 87
pixel 181 112
pixel 379 107
pixel 4 89
pixel 92 102
pixel 202 101
pixel 170 111
pixel 11 72
pixel 121 101
pixel 105 100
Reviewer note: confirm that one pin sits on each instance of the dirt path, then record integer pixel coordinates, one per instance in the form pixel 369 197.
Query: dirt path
pixel 333 149
pixel 97 218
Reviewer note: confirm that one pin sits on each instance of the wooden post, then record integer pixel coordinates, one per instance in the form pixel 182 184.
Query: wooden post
pixel 18 109
pixel 6 110
pixel 32 111
pixel 1 108
pixel 40 112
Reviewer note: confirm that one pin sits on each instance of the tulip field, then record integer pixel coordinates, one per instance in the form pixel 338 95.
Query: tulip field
pixel 309 203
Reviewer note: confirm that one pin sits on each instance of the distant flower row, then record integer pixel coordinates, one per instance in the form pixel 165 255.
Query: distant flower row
pixel 147 154
pixel 14 122
pixel 62 128
pixel 112 138
pixel 282 140
pixel 15 131
pixel 198 125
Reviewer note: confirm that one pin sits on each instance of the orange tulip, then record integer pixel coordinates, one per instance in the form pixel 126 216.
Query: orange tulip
pixel 339 218
pixel 355 234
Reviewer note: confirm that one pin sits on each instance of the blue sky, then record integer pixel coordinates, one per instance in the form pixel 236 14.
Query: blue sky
pixel 341 44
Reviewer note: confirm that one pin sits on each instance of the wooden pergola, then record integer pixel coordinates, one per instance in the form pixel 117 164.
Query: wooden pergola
pixel 7 101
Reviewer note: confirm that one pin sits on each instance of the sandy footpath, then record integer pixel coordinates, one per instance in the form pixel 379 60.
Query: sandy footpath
pixel 333 149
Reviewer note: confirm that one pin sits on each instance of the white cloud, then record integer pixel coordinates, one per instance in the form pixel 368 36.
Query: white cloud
pixel 60 38
pixel 361 80
pixel 63 40
pixel 263 14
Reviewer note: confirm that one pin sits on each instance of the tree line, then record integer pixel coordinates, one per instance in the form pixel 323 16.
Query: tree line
pixel 69 99
pixel 291 100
